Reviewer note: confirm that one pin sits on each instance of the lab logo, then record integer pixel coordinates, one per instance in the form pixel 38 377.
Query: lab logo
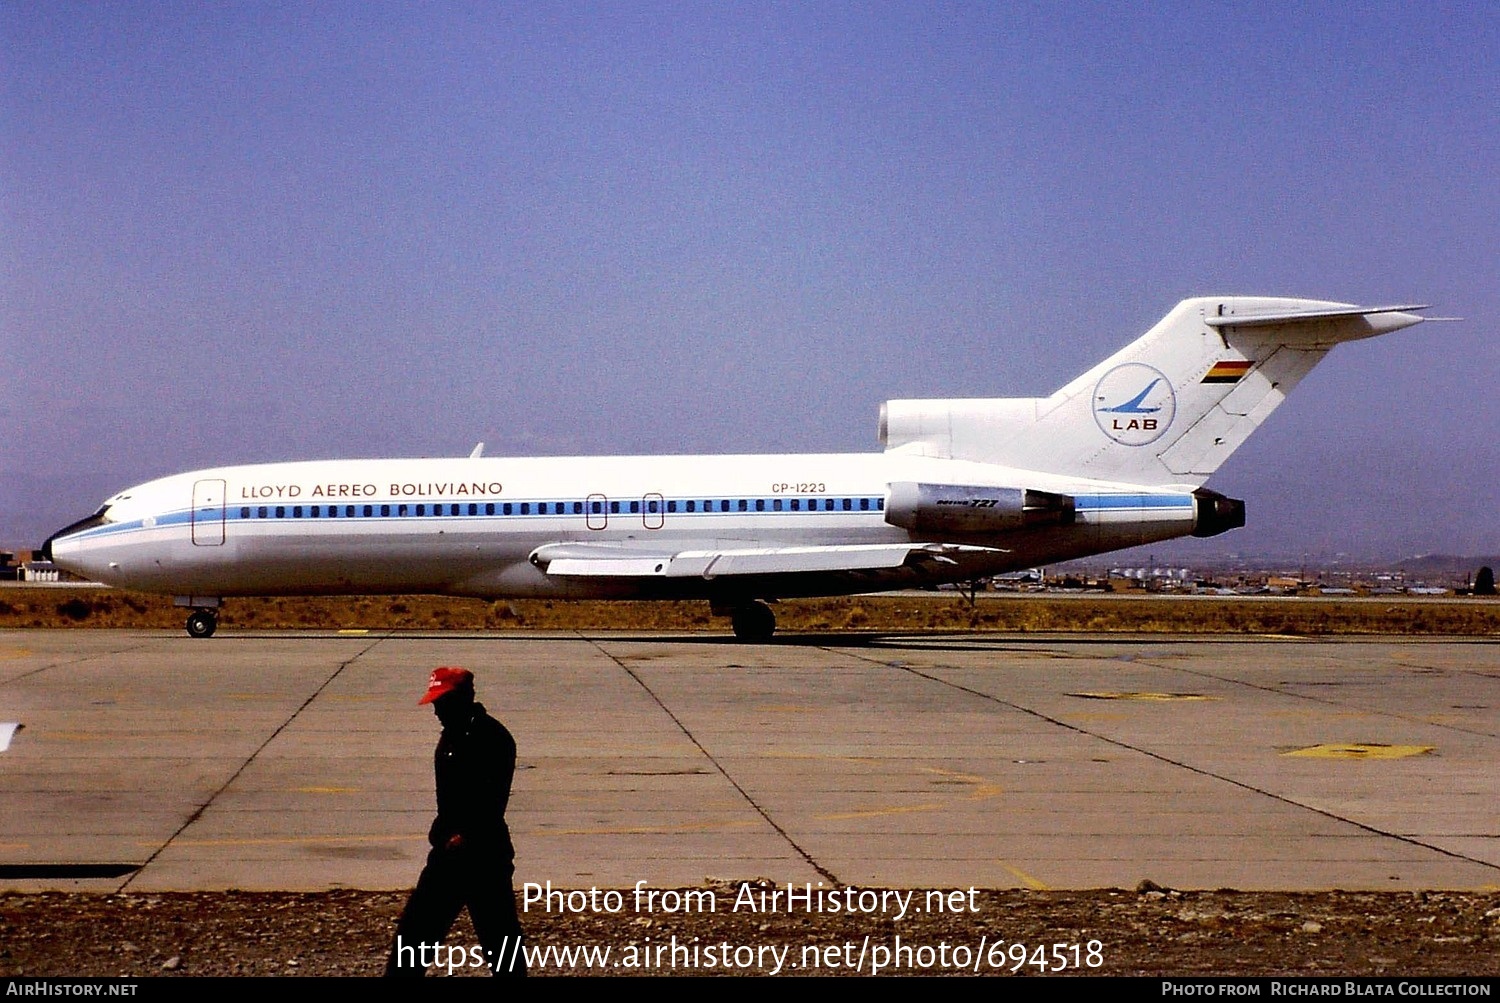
pixel 1134 404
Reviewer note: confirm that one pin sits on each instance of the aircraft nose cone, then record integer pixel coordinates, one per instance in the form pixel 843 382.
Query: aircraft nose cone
pixel 50 548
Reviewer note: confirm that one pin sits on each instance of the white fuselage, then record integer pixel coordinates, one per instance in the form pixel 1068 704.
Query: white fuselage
pixel 469 526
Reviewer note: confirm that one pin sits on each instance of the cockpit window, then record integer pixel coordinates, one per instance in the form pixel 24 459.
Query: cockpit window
pixel 99 518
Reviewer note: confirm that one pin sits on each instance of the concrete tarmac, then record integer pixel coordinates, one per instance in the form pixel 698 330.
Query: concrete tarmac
pixel 149 761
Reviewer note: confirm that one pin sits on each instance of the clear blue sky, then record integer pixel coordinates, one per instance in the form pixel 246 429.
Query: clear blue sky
pixel 238 233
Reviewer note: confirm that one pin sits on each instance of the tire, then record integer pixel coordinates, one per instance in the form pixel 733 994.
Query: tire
pixel 755 622
pixel 202 624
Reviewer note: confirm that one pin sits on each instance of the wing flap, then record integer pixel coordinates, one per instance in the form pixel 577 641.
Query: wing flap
pixel 606 561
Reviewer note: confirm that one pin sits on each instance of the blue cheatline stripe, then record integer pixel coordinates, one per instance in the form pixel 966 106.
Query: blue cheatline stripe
pixel 761 506
pixel 1132 502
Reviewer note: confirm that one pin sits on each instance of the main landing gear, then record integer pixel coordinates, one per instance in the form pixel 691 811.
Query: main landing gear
pixel 202 623
pixel 753 621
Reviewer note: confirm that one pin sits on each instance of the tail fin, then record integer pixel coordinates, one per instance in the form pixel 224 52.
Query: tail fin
pixel 1167 409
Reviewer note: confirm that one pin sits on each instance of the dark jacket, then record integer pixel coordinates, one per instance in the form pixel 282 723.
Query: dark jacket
pixel 474 764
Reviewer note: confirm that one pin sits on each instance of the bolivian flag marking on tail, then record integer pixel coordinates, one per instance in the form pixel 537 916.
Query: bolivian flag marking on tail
pixel 1228 371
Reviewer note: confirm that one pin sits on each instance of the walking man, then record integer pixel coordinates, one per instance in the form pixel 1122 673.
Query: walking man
pixel 471 861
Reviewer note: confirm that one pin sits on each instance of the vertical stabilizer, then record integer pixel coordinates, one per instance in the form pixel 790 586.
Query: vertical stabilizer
pixel 1167 409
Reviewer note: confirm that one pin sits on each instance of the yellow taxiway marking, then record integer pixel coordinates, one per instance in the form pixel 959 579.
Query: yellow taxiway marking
pixel 325 790
pixel 647 830
pixel 981 788
pixel 14 652
pixel 1140 695
pixel 1026 879
pixel 877 812
pixel 1360 750
pixel 354 630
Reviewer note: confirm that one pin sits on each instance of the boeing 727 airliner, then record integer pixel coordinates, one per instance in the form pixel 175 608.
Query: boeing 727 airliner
pixel 964 489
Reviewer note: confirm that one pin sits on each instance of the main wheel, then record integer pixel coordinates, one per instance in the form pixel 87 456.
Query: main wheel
pixel 202 623
pixel 754 622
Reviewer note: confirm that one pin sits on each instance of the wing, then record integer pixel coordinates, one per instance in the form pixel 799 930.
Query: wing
pixel 605 560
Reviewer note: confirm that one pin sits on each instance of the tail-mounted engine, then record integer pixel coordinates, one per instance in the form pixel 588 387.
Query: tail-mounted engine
pixel 967 510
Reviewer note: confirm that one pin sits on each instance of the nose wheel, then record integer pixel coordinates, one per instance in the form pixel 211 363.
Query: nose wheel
pixel 202 623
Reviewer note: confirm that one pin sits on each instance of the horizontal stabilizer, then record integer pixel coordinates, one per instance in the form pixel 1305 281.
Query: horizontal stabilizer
pixel 1304 316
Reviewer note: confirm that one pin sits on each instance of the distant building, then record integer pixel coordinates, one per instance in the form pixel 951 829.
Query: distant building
pixel 40 571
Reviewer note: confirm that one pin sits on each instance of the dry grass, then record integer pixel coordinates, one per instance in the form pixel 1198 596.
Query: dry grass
pixel 61 607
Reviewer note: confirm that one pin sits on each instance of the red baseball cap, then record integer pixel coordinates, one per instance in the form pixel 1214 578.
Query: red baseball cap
pixel 445 679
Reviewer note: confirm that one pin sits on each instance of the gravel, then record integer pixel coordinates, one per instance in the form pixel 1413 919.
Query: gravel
pixel 1148 931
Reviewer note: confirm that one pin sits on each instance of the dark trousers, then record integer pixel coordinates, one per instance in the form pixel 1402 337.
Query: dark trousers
pixel 472 876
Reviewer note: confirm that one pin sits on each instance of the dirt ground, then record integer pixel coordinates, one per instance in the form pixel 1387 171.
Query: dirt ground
pixel 1116 932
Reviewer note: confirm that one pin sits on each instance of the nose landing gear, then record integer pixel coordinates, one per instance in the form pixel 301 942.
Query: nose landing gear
pixel 202 623
pixel 204 618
